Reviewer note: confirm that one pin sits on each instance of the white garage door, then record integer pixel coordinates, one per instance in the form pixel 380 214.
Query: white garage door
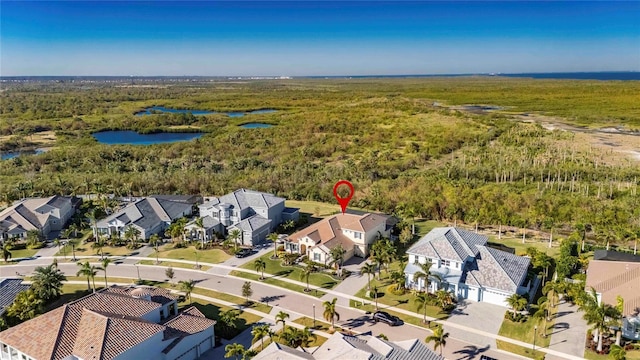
pixel 494 297
pixel 205 345
pixel 472 294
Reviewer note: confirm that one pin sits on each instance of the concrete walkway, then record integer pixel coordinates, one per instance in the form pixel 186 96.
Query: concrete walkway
pixel 294 301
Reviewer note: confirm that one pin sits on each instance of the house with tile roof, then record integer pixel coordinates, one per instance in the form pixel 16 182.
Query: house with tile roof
pixel 254 213
pixel 463 265
pixel 150 215
pixel 364 346
pixel 610 279
pixel 355 233
pixel 48 215
pixel 114 323
pixel 9 289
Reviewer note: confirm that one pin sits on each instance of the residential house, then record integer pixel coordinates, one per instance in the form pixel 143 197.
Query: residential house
pixel 149 216
pixel 254 213
pixel 365 346
pixel 611 279
pixel 206 232
pixel 9 289
pixel 114 323
pixel 47 215
pixel 465 266
pixel 355 233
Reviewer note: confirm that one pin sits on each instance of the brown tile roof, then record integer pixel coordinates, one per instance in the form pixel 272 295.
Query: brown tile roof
pixel 329 231
pixel 188 322
pixel 100 325
pixel 613 278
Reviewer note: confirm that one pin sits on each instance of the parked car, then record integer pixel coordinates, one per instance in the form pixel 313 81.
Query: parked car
pixel 243 253
pixel 387 318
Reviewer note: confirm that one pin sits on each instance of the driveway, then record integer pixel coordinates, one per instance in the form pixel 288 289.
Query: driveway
pixel 569 332
pixel 481 316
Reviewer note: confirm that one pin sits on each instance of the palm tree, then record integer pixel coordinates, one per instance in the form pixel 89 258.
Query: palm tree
pixel 306 273
pixel 260 265
pixel 26 305
pixel 6 254
pixel 516 302
pixel 598 314
pixel 228 320
pixel 201 233
pixel 259 332
pixel 306 337
pixel 98 245
pixel 155 241
pixel 422 300
pixel 132 234
pixel 290 336
pixel 439 338
pixel 235 235
pixel 281 317
pixel 47 282
pixel 425 273
pixel 105 263
pixel 544 312
pixel 616 352
pixel 58 243
pixel 235 350
pixel 330 313
pixel 398 279
pixel 90 271
pixel 368 269
pixel 337 255
pixel 187 286
pixel 444 298
pixel 273 237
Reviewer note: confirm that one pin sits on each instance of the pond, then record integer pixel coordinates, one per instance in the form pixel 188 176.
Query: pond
pixel 162 109
pixel 255 125
pixel 14 154
pixel 133 138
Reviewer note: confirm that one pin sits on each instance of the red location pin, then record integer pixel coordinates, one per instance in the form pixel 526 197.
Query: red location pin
pixel 343 201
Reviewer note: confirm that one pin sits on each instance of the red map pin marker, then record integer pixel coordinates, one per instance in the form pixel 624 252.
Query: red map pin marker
pixel 343 201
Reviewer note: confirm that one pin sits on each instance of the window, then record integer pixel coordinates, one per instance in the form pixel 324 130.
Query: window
pixel 357 235
pixel 415 260
pixel 446 262
pixel 316 257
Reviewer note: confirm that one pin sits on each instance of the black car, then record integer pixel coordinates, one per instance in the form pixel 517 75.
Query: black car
pixel 243 253
pixel 387 318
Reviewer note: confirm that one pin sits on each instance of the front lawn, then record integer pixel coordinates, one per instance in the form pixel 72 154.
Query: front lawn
pixel 21 253
pixel 525 331
pixel 212 311
pixel 174 264
pixel 212 256
pixel 279 283
pixel 631 355
pixel 275 267
pixel 320 325
pixel 87 250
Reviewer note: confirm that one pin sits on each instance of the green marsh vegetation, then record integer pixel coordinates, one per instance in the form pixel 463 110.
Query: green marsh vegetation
pixel 384 135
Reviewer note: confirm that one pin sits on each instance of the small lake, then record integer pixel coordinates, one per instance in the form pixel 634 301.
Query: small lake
pixel 14 154
pixel 255 125
pixel 133 138
pixel 162 109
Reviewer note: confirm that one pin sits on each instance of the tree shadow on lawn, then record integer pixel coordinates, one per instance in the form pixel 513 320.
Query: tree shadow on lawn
pixel 471 352
pixel 328 285
pixel 283 273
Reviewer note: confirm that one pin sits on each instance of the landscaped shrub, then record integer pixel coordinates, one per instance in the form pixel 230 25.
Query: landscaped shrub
pixel 393 289
pixel 517 317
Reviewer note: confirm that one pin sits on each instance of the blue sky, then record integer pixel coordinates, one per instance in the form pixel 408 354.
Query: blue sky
pixel 316 38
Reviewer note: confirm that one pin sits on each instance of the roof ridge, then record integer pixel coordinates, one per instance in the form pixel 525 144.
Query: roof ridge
pixel 480 247
pixel 60 326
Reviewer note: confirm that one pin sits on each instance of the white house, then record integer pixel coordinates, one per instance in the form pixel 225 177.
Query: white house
pixel 254 213
pixel 47 215
pixel 115 323
pixel 148 215
pixel 463 265
pixel 355 233
pixel 611 279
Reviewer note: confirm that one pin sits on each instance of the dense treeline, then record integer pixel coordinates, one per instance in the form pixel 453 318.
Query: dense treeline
pixel 401 153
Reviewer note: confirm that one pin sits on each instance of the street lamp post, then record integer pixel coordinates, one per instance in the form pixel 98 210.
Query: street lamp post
pixel 197 266
pixel 375 295
pixel 314 316
pixel 535 334
pixel 73 249
pixel 138 270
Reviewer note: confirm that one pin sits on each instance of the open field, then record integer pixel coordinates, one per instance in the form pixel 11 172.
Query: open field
pixel 280 283
pixel 212 256
pixel 275 267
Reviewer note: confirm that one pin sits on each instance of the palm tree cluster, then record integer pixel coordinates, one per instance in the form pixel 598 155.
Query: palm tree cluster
pixel 600 315
pixel 439 338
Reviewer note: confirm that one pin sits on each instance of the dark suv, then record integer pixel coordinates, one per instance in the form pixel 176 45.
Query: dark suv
pixel 243 253
pixel 387 318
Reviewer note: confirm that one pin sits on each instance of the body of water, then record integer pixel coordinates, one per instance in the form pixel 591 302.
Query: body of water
pixel 133 138
pixel 151 110
pixel 13 154
pixel 255 125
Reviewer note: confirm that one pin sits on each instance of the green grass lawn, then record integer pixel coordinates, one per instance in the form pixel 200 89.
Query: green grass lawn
pixel 423 226
pixel 212 311
pixel 70 292
pixel 521 248
pixel 631 355
pixel 174 264
pixel 525 331
pixel 280 283
pixel 275 267
pixel 22 253
pixel 213 256
pixel 87 250
pixel 319 324
pixel 232 299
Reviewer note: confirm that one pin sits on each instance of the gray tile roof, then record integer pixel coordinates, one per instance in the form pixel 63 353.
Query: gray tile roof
pixel 448 243
pixel 253 223
pixel 148 212
pixel 497 269
pixel 366 346
pixel 9 289
pixel 243 198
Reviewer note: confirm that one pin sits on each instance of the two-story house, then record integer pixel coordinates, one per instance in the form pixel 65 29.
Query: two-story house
pixel 465 266
pixel 610 279
pixel 254 213
pixel 149 216
pixel 355 233
pixel 114 323
pixel 46 215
